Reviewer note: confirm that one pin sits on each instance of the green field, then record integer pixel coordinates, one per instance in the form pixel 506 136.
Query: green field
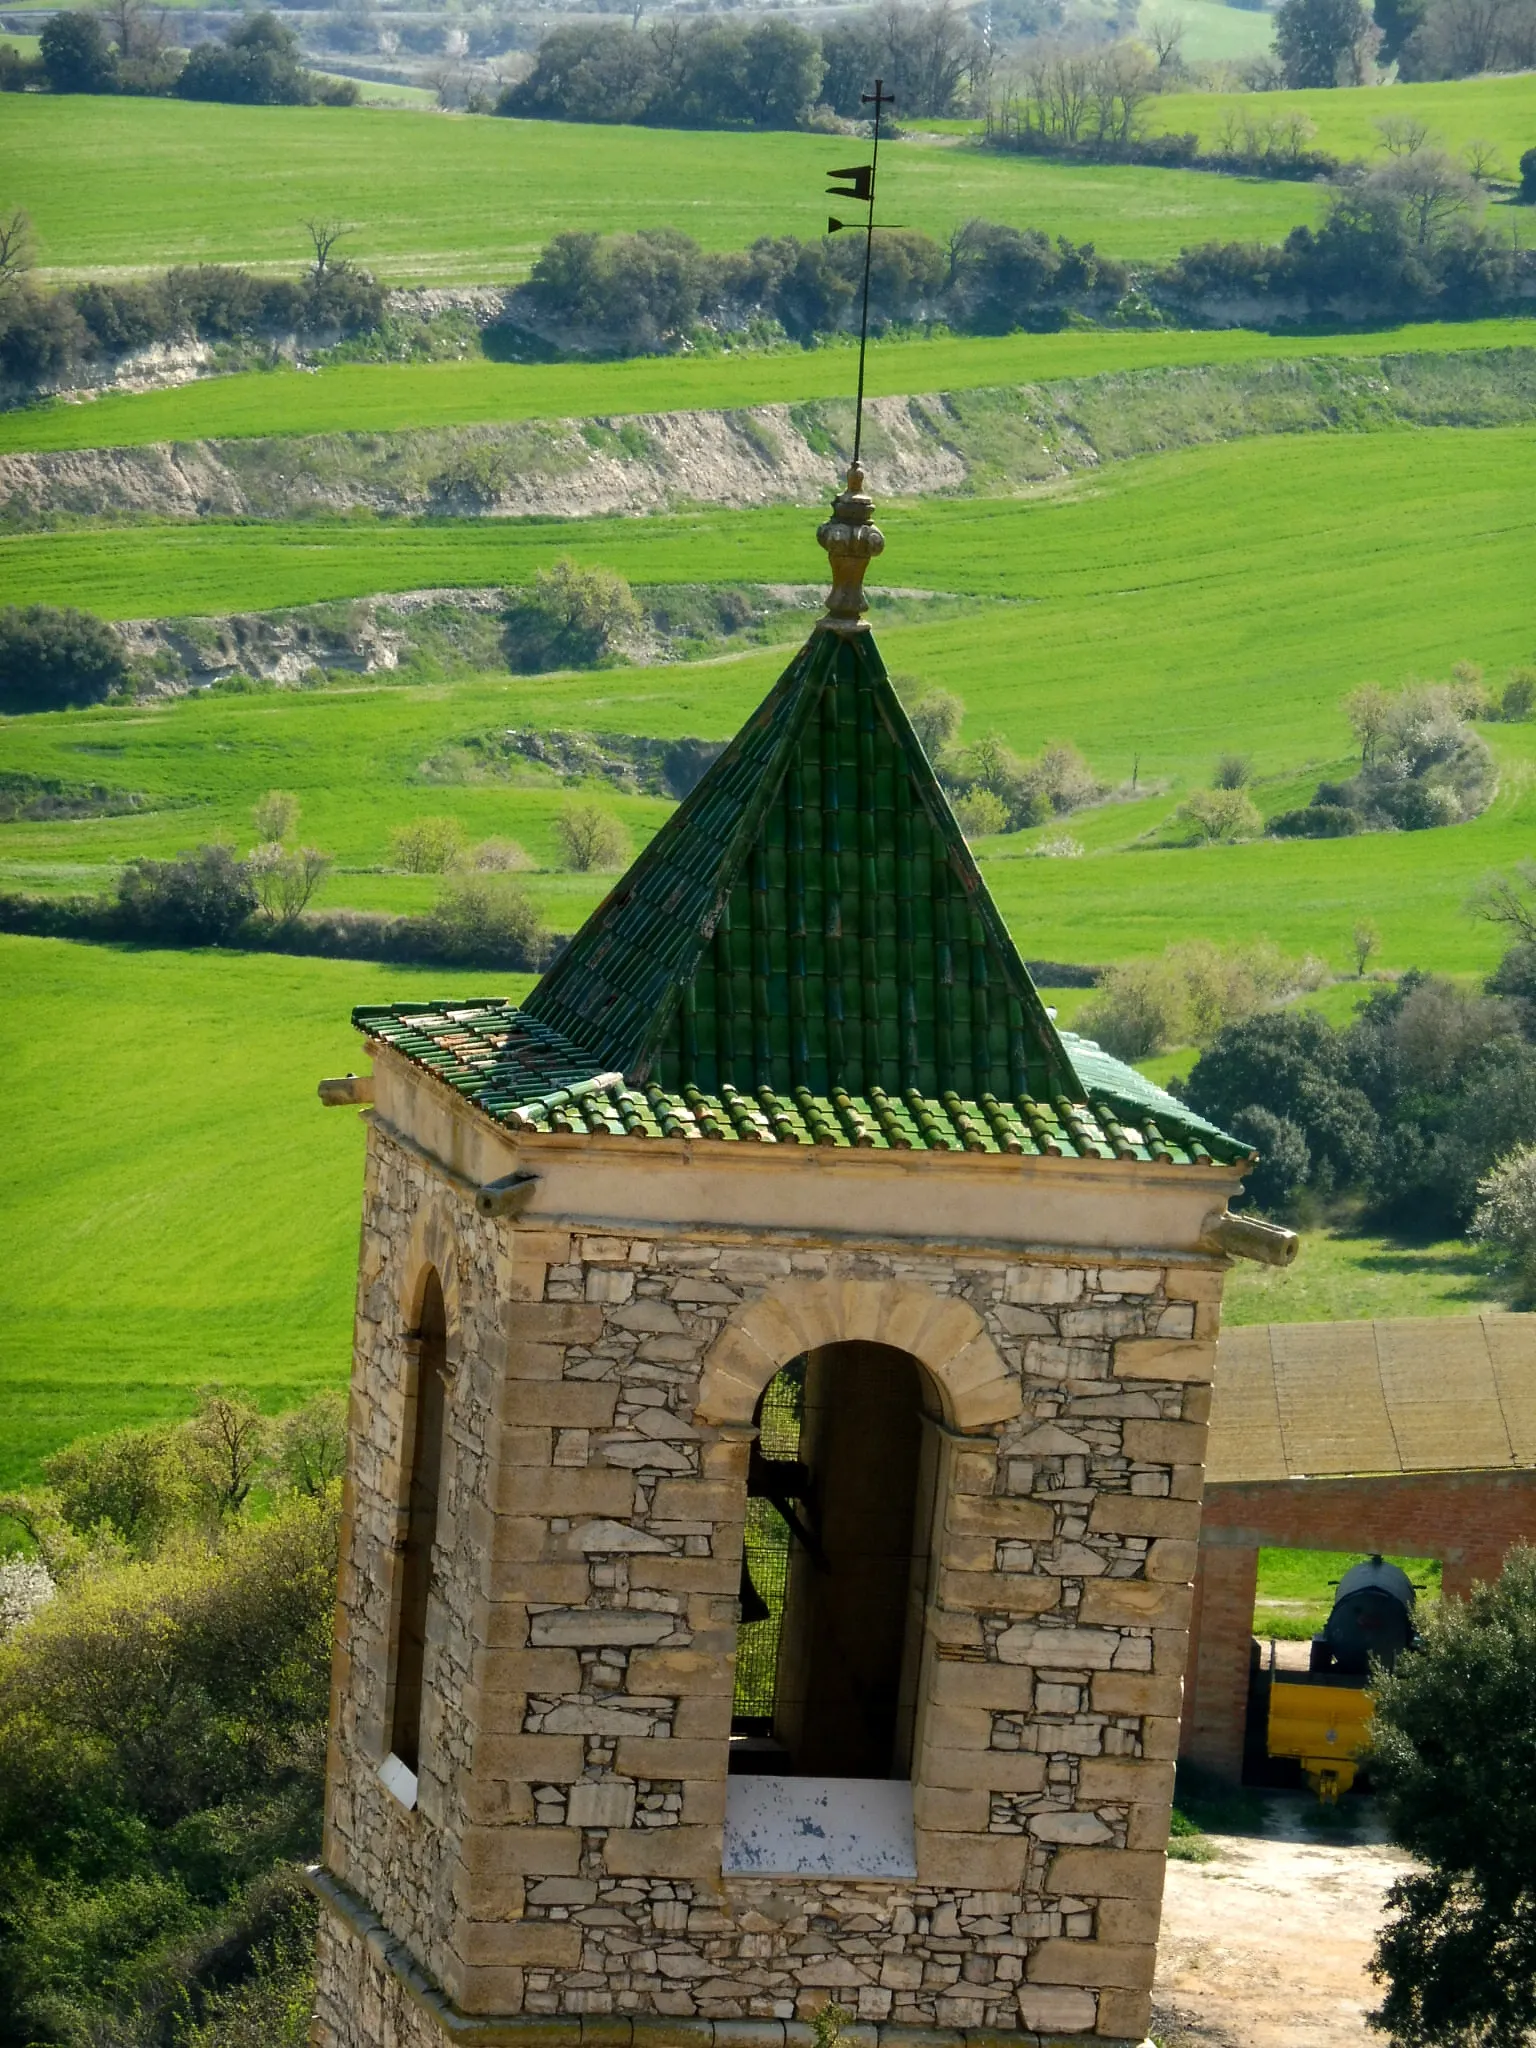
pixel 391 397
pixel 117 185
pixel 176 1207
pixel 1213 33
pixel 1501 110
pixel 1171 604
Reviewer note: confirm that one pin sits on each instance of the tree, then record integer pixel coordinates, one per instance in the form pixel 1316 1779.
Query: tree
pixel 428 846
pixel 979 813
pixel 1324 42
pixel 936 716
pixel 15 246
pixel 256 65
pixel 224 1442
pixel 591 838
pixel 1369 711
pixel 52 656
pixel 1453 1749
pixel 285 879
pixel 1528 177
pixel 275 814
pixel 1364 941
pixel 199 899
pixel 1285 1162
pixel 1220 815
pixel 77 55
pixel 1430 191
pixel 1232 771
pixel 1294 1064
pixel 307 1447
pixel 1509 900
pixel 325 234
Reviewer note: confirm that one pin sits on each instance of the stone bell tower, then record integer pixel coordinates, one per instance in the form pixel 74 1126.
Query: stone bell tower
pixel 777 1430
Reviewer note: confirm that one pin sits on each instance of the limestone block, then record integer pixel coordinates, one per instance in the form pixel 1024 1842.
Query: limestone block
pixel 1124 2015
pixel 599 1490
pixel 988 1770
pixel 545 1247
pixel 1135 1603
pixel 520 1852
pixel 986 1862
pixel 537 1759
pixel 946 1809
pixel 697 1500
pixel 994 1592
pixel 1002 1688
pixel 552 1322
pixel 553 1942
pixel 1101 1779
pixel 641 1756
pixel 1170 1651
pixel 525 1446
pixel 1166 1443
pixel 1128 1920
pixel 530 1360
pixel 1164 1358
pixel 587 1626
pixel 1043 1284
pixel 1127 1514
pixel 1171 1561
pixel 994 1400
pixel 664 1852
pixel 603 1538
pixel 1127 1966
pixel 1196 1404
pixel 538 1581
pixel 1160 1735
pixel 514 1541
pixel 562 1404
pixel 525 1670
pixel 714 1575
pixel 600 1803
pixel 1058 1649
pixel 493 1988
pixel 703 1719
pixel 1002 1515
pixel 1130 1279
pixel 1135 1692
pixel 679 1672
pixel 1106 1874
pixel 1056 2009
pixel 1058 1826
pixel 1148 1827
pixel 961 1728
pixel 704 1803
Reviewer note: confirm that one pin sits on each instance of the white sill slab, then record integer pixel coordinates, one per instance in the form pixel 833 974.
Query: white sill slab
pixel 819 1827
pixel 399 1779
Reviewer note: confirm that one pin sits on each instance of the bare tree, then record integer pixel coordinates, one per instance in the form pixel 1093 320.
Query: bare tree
pixel 1432 190
pixel 1509 900
pixel 284 881
pixel 226 1438
pixel 1166 33
pixel 15 246
pixel 325 234
pixel 1401 135
pixel 1484 163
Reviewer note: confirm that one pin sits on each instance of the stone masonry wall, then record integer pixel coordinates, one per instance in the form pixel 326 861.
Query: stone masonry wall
pixel 565 1858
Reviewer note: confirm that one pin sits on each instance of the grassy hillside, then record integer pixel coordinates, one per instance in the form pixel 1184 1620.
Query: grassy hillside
pixel 1457 111
pixel 391 397
pixel 118 184
pixel 1172 606
pixel 1213 32
pixel 178 1209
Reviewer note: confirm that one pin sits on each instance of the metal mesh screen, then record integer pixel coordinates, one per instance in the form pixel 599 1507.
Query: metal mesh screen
pixel 767 1544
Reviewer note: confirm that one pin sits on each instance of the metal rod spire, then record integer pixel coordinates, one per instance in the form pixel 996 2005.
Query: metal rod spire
pixel 880 99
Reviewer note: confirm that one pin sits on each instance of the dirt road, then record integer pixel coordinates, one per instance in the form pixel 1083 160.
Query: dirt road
pixel 1266 1947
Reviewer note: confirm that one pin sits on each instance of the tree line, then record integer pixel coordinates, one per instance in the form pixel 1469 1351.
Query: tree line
pixel 126 47
pixel 763 73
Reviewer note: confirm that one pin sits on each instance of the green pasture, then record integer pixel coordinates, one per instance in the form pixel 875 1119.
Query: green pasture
pixel 1501 110
pixel 396 397
pixel 1296 1588
pixel 176 1208
pixel 1153 614
pixel 1213 33
pixel 118 185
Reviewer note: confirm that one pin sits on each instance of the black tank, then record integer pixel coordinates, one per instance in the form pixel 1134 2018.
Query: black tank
pixel 1372 1618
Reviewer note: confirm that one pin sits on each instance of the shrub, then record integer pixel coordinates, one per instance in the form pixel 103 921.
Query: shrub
pixel 307 1447
pixel 571 618
pixel 1232 771
pixel 199 899
pixel 1528 177
pixel 1506 1204
pixel 76 53
pixel 132 1483
pixel 285 879
pixel 1453 1734
pixel 979 812
pixel 1518 696
pixel 486 921
pixel 1189 995
pixel 1284 1159
pixel 1317 821
pixel 501 857
pixel 427 846
pixel 936 716
pixel 591 838
pixel 1220 815
pixel 52 656
pixel 275 815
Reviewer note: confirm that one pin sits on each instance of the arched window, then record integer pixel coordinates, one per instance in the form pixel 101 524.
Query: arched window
pixel 840 1499
pixel 424 1447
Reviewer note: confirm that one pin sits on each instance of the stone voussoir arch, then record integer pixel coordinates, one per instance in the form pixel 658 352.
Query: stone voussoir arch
pixel 942 1332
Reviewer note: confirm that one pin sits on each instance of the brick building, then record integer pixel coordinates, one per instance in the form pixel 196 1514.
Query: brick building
pixel 779 1213
pixel 1414 1437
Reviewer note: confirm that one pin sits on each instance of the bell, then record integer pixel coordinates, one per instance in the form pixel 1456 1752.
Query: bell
pixel 753 1606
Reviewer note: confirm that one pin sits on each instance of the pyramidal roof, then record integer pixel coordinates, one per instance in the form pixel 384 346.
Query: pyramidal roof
pixel 805 953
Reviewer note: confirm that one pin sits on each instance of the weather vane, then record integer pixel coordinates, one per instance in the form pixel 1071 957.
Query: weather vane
pixel 862 189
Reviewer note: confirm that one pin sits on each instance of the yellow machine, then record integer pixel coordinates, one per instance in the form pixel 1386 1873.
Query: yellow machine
pixel 1324 1722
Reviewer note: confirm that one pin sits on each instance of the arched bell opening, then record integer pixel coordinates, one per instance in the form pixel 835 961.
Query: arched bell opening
pixel 840 1505
pixel 426 1402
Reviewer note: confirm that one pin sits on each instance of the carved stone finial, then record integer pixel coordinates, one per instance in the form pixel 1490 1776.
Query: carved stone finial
pixel 851 542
